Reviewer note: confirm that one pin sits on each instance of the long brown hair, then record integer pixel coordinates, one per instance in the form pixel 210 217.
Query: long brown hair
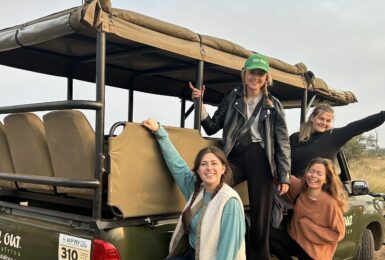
pixel 306 128
pixel 225 178
pixel 333 184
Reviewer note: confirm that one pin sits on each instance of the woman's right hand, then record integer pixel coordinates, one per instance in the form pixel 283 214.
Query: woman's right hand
pixel 151 124
pixel 196 93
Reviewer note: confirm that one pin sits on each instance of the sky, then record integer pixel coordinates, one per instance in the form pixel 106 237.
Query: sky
pixel 341 41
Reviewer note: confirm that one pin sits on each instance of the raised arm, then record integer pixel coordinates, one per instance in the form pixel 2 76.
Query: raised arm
pixel 358 127
pixel 175 163
pixel 213 124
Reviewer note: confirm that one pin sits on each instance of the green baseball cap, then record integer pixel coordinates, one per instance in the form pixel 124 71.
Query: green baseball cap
pixel 257 61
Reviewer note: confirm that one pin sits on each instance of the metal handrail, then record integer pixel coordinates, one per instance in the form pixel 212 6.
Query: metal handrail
pixel 59 105
pixel 55 181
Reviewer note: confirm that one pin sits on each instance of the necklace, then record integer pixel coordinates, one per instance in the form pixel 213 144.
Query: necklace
pixel 312 198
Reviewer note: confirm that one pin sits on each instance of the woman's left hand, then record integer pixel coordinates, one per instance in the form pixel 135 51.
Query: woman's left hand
pixel 151 124
pixel 283 188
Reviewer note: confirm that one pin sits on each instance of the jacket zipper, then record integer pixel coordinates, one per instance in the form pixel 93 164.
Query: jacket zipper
pixel 237 133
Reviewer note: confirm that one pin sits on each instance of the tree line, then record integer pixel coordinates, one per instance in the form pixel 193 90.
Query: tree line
pixel 363 145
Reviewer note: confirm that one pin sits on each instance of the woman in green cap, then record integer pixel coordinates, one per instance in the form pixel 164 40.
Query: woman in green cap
pixel 255 139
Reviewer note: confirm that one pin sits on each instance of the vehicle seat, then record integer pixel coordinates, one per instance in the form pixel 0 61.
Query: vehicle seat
pixel 28 147
pixel 71 143
pixel 139 183
pixel 6 164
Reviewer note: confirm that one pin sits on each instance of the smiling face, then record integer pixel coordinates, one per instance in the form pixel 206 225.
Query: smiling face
pixel 322 122
pixel 316 176
pixel 210 171
pixel 255 79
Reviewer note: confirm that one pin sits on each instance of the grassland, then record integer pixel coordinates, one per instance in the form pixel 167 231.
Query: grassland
pixel 370 169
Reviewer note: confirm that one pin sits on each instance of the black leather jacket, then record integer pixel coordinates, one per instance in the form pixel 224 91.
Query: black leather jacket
pixel 272 126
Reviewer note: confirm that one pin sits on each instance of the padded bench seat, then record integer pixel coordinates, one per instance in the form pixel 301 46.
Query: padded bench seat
pixel 28 147
pixel 6 164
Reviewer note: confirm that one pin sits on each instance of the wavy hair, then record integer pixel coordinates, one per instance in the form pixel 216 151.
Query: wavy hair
pixel 306 128
pixel 227 178
pixel 333 184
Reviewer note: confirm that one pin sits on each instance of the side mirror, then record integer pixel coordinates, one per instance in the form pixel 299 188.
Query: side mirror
pixel 360 188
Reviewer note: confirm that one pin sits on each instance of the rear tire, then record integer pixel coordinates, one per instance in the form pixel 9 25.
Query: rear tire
pixel 366 250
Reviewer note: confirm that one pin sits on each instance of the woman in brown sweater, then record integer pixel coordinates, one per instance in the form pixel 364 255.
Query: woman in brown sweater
pixel 317 224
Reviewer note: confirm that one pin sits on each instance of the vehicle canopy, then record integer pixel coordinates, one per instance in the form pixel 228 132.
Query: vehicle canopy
pixel 119 48
pixel 142 50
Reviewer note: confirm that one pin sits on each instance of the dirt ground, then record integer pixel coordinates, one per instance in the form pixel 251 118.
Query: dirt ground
pixel 380 255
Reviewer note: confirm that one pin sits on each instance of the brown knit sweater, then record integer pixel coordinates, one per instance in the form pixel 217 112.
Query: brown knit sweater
pixel 317 225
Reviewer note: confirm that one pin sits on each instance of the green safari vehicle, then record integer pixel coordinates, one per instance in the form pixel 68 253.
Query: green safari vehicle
pixel 75 190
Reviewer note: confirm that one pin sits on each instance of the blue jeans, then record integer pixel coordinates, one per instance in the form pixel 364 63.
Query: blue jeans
pixel 190 255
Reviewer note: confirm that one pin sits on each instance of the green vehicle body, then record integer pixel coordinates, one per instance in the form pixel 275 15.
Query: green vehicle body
pixel 39 237
pixel 72 45
pixel 362 215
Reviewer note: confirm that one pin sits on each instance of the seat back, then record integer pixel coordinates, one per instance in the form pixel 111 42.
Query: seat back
pixel 71 143
pixel 6 164
pixel 28 147
pixel 139 183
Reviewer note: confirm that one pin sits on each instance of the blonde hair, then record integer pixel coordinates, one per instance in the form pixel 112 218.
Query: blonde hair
pixel 269 83
pixel 307 127
pixel 333 184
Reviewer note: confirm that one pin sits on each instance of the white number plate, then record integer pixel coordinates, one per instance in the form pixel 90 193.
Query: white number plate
pixel 74 248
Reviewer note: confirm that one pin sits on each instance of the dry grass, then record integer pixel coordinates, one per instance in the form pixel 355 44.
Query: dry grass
pixel 370 169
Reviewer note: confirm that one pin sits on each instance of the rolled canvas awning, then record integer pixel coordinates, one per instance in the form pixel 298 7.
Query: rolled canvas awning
pixel 145 54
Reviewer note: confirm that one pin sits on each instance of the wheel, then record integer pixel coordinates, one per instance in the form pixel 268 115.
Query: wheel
pixel 366 250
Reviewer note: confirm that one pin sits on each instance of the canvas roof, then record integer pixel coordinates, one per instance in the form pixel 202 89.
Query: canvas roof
pixel 146 54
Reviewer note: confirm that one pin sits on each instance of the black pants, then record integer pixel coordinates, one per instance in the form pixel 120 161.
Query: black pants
pixel 283 246
pixel 252 165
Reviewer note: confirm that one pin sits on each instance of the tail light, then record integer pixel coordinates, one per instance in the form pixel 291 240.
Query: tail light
pixel 102 250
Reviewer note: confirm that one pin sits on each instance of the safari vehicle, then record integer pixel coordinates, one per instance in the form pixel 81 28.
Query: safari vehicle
pixel 71 191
